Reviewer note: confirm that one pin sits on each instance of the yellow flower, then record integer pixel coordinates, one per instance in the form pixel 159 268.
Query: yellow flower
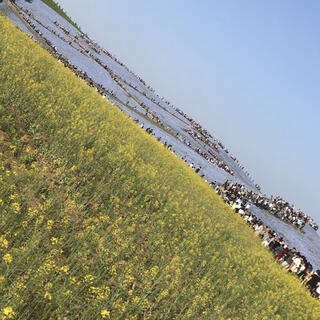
pixel 89 278
pixel 105 313
pixel 64 269
pixel 24 224
pixel 54 240
pixel 114 270
pixel 50 224
pixel 16 207
pixel 67 293
pixel 154 270
pixel 48 285
pixel 73 280
pixel 8 312
pixel 164 293
pixel 47 296
pixel 3 242
pixel 7 258
pixel 136 299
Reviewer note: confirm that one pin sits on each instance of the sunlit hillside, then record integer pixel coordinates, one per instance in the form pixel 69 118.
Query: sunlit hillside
pixel 98 220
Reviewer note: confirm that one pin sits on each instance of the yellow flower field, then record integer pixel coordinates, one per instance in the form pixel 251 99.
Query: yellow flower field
pixel 99 221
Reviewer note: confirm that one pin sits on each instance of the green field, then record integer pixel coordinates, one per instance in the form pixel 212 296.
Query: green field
pixel 98 220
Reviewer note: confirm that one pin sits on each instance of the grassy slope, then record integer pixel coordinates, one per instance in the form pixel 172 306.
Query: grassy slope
pixel 99 217
pixel 56 7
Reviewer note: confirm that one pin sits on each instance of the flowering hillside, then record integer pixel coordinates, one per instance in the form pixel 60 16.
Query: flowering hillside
pixel 98 220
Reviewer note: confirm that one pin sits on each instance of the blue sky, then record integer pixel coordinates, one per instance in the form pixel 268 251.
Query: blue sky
pixel 249 71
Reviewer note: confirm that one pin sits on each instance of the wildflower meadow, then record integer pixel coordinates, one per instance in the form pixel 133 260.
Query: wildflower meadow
pixel 100 221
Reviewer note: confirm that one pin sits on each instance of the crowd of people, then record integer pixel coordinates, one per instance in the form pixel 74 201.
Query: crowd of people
pixel 73 40
pixel 195 134
pixel 210 156
pixel 289 258
pixel 275 206
pixel 150 98
pixel 203 134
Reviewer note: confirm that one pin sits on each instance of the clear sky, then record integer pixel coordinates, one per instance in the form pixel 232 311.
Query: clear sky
pixel 248 71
